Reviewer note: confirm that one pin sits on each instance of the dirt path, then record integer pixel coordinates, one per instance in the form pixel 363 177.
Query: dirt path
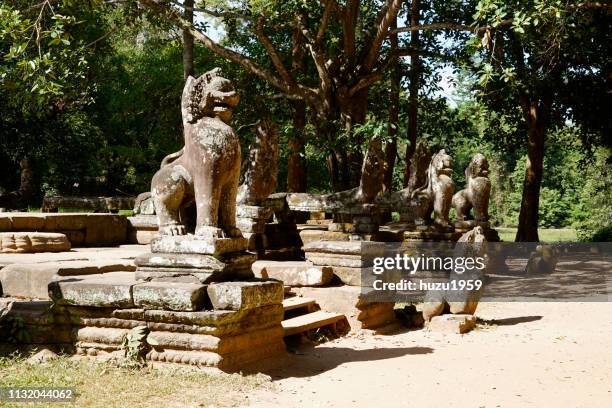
pixel 534 355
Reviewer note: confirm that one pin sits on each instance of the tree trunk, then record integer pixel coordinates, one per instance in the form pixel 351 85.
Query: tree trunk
pixel 391 147
pixel 413 98
pixel 188 42
pixel 296 165
pixel 353 112
pixel 528 217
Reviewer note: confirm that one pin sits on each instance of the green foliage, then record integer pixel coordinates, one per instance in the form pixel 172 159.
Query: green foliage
pixel 12 328
pixel 136 344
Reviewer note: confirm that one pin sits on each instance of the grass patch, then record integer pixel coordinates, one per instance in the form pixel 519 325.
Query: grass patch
pixel 106 385
pixel 546 234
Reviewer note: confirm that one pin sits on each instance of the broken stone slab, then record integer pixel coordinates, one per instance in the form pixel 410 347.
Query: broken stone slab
pixel 193 244
pixel 170 295
pixel 109 290
pixel 32 280
pixel 33 242
pixel 452 323
pixel 245 295
pixel 293 273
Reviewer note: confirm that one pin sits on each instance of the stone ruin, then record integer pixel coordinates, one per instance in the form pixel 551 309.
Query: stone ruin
pixel 194 292
pixel 216 287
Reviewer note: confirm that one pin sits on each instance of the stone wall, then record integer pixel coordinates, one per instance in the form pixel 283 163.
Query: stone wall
pixel 81 229
pixel 240 325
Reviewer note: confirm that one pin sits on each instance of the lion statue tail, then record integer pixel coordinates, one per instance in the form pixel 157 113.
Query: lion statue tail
pixel 171 158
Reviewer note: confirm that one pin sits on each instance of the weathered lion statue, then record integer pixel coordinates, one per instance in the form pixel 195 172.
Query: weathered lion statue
pixel 207 169
pixel 472 244
pixel 437 192
pixel 476 193
pixel 259 172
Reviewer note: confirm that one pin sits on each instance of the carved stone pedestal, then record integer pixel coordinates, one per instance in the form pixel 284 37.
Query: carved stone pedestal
pixel 194 259
pixel 251 220
pixel 352 268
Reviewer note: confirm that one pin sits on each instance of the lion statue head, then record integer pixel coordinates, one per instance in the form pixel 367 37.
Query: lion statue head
pixel 441 165
pixel 210 95
pixel 479 167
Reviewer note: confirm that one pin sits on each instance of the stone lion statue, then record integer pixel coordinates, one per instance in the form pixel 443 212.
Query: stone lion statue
pixel 437 193
pixel 476 194
pixel 207 169
pixel 259 173
pixel 472 244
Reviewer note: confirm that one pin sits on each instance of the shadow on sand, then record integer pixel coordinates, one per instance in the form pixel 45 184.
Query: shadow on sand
pixel 310 361
pixel 510 321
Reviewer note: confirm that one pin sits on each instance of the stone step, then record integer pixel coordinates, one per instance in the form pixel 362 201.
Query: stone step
pixel 297 302
pixel 310 321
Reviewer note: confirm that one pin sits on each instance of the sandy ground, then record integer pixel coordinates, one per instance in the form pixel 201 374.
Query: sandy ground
pixel 532 355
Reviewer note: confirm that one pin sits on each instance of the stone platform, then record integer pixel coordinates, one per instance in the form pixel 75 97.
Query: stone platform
pixel 81 229
pixel 27 275
pixel 240 324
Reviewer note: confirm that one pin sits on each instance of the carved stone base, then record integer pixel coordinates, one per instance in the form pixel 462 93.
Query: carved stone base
pixel 194 267
pixel 193 244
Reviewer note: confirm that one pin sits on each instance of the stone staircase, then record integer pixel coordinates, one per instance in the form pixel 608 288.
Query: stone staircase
pixel 302 315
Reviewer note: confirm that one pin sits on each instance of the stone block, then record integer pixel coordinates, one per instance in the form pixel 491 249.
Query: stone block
pixel 32 280
pixel 170 295
pixel 247 225
pixel 144 222
pixel 293 273
pixel 261 316
pixel 347 275
pixel 352 261
pixel 253 211
pixel 196 267
pixel 245 295
pixel 452 323
pixel 26 221
pixel 33 242
pixel 97 291
pixel 361 311
pixel 344 247
pixel 195 261
pixel 105 229
pixel 192 244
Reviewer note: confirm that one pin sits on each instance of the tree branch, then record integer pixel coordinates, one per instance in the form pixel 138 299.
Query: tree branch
pixel 330 5
pixel 386 17
pixel 447 27
pixel 158 7
pixel 350 12
pixel 276 59
pixel 317 57
pixel 504 23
